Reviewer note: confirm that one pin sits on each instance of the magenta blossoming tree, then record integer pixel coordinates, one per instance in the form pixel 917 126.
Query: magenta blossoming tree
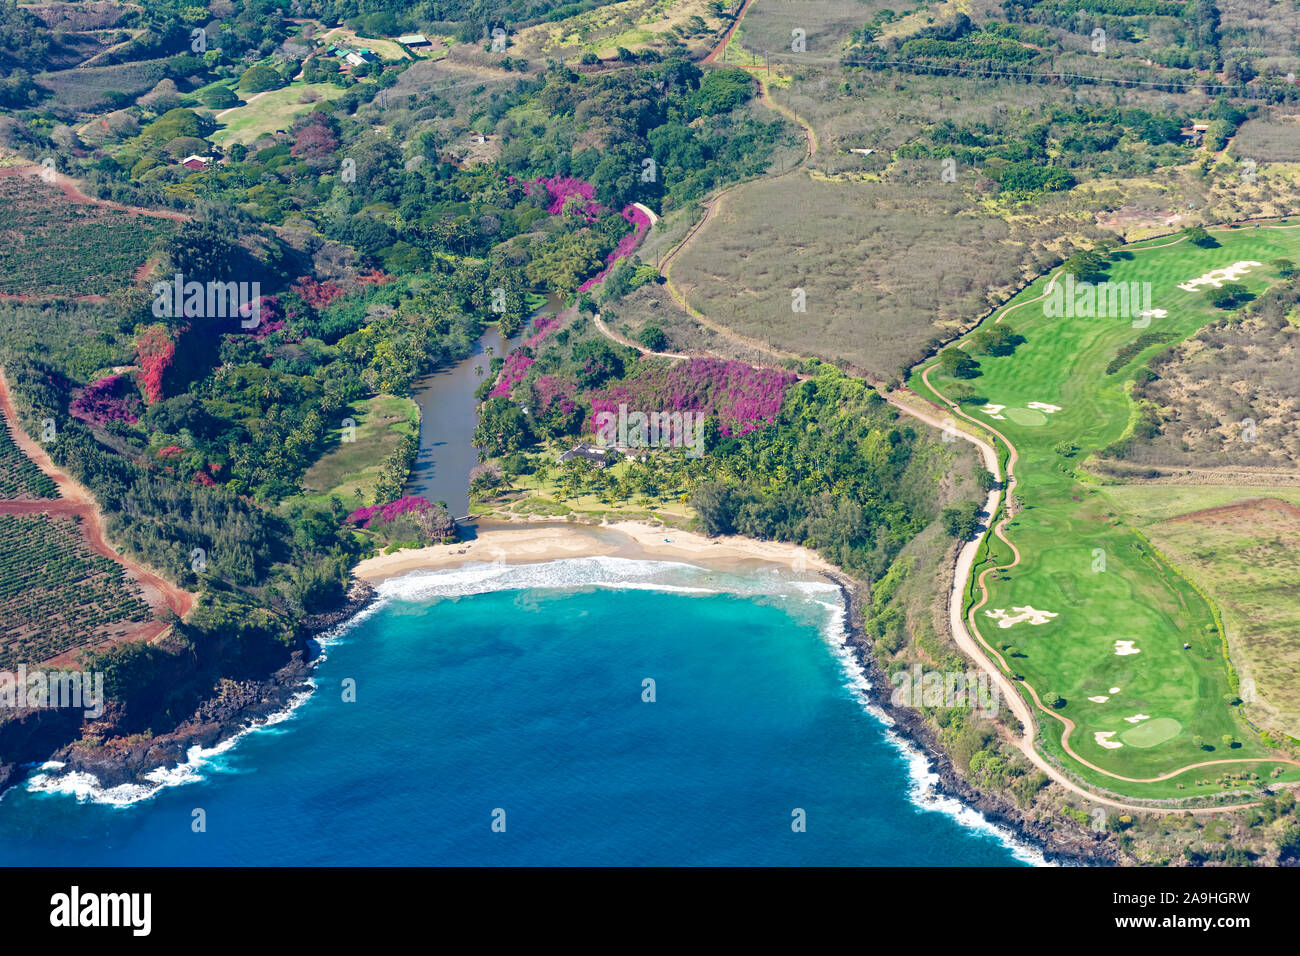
pixel 561 189
pixel 411 504
pixel 109 399
pixel 626 246
pixel 742 398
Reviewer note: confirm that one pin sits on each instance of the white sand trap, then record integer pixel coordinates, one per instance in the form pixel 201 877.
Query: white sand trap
pixel 1025 613
pixel 1103 739
pixel 1125 648
pixel 1152 314
pixel 1099 700
pixel 1043 407
pixel 1114 690
pixel 1216 277
pixel 1137 718
pixel 994 411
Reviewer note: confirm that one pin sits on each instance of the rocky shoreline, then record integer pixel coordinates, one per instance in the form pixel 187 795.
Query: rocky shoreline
pixel 243 705
pixel 996 808
pixel 237 707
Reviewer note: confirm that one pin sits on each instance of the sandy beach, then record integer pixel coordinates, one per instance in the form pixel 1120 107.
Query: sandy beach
pixel 536 543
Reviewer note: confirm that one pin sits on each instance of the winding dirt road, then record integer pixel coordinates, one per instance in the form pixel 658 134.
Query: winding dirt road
pixel 73 190
pixel 76 500
pixel 964 629
pixel 983 653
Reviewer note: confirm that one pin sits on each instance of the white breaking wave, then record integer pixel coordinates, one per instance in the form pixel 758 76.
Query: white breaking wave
pixel 478 577
pixel 569 573
pixel 85 787
pixel 924 792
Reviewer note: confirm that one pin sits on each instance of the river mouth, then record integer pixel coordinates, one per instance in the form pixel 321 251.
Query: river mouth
pixel 448 414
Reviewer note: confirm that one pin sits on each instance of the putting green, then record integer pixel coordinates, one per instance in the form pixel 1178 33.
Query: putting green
pixel 1027 417
pixel 1149 733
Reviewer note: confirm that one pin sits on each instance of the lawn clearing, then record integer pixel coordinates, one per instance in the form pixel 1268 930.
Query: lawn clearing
pixel 271 111
pixel 350 469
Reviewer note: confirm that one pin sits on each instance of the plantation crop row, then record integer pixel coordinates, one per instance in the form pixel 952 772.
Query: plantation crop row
pixel 43 224
pixel 55 593
pixel 19 476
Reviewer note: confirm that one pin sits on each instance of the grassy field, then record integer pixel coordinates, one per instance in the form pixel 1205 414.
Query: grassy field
pixel 534 496
pixel 632 24
pixel 1122 614
pixel 827 24
pixel 885 269
pixel 89 89
pixel 351 468
pixel 1246 555
pixel 271 111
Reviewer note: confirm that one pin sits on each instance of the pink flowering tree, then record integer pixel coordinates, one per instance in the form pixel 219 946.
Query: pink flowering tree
pixel 741 397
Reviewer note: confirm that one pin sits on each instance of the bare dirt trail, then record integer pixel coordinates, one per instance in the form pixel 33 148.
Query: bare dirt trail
pixel 76 500
pixel 712 205
pixel 916 406
pixel 74 191
pixel 726 37
pixel 623 340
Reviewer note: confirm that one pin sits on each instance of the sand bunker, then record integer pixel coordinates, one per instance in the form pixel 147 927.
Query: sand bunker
pixel 1216 277
pixel 1099 700
pixel 1025 613
pixel 1124 648
pixel 1103 739
pixel 994 411
pixel 1152 314
pixel 1043 407
pixel 1137 718
pixel 1114 690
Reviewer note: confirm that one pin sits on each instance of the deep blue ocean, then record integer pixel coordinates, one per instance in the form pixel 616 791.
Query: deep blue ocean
pixel 516 694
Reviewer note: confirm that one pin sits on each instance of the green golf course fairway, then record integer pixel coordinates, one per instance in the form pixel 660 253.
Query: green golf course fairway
pixel 1079 557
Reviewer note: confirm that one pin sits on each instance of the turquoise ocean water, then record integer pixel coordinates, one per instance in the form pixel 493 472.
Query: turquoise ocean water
pixel 517 695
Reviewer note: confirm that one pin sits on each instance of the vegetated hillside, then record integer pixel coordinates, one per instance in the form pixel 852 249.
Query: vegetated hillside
pixel 1230 396
pixel 824 463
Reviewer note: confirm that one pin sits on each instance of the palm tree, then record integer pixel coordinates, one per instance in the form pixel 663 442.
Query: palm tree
pixel 478 370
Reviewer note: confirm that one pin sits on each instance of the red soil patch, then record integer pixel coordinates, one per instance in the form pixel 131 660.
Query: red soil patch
pixel 1241 509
